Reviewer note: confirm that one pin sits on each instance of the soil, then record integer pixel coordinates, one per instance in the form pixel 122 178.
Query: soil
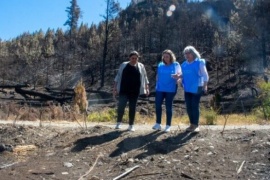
pixel 101 152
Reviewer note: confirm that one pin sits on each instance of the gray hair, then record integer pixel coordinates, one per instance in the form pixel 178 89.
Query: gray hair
pixel 193 51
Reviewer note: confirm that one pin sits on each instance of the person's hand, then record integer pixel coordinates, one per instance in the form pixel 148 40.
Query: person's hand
pixel 175 76
pixel 205 89
pixel 114 94
pixel 147 92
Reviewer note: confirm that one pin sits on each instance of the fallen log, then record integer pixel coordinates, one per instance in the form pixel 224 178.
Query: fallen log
pixel 14 86
pixel 42 96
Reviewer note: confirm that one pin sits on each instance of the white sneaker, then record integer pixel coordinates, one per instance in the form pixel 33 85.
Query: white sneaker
pixel 118 125
pixel 167 129
pixel 193 128
pixel 131 128
pixel 156 127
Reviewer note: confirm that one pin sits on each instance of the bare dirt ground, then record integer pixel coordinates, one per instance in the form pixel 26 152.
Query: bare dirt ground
pixel 100 152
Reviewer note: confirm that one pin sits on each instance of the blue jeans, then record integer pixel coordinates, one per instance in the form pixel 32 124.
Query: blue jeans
pixel 193 108
pixel 123 99
pixel 168 96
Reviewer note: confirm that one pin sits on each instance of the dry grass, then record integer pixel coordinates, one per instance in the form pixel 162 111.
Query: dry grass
pixel 233 119
pixel 56 112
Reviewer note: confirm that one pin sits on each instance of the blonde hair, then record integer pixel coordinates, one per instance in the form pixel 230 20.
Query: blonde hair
pixel 172 56
pixel 193 51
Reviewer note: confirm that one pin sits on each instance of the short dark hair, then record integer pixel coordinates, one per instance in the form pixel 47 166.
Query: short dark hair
pixel 134 53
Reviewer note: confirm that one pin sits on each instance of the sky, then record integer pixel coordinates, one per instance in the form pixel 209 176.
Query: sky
pixel 19 16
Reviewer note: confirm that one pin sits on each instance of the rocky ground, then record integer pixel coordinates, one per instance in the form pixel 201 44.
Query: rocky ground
pixel 100 152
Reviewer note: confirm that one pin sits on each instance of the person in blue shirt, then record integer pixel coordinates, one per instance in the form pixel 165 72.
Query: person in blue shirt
pixel 194 81
pixel 168 72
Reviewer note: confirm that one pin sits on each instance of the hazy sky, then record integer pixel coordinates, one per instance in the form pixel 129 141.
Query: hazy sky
pixel 19 16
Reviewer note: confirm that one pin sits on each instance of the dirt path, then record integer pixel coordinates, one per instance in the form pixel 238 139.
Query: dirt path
pixel 139 127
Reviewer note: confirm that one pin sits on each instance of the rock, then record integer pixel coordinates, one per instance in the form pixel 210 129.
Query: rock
pixel 68 164
pixel 255 151
pixel 168 162
pixel 145 160
pixel 161 157
pixel 4 147
pixel 50 154
pixel 144 111
pixel 94 178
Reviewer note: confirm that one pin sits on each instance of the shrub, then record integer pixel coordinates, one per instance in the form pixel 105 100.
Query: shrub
pixel 264 97
pixel 106 115
pixel 210 116
pixel 80 99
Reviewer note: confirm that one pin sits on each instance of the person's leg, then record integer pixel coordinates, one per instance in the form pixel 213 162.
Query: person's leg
pixel 188 101
pixel 158 102
pixel 168 103
pixel 132 108
pixel 195 108
pixel 121 107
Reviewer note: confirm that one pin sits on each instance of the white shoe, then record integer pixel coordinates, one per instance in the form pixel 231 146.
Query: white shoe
pixel 118 125
pixel 167 129
pixel 193 128
pixel 131 128
pixel 156 127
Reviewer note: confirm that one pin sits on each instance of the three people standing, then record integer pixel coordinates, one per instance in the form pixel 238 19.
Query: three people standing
pixel 131 81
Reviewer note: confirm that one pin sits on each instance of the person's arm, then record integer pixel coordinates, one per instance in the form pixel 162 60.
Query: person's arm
pixel 115 89
pixel 178 72
pixel 205 75
pixel 146 81
pixel 117 80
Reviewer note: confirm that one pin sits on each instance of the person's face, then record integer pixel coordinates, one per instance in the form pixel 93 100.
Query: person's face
pixel 189 56
pixel 167 58
pixel 133 59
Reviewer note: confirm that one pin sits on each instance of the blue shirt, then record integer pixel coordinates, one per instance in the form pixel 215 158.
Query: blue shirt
pixel 191 75
pixel 165 81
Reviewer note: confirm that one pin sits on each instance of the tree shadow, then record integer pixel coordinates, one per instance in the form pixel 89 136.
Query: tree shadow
pixel 131 143
pixel 167 145
pixel 81 144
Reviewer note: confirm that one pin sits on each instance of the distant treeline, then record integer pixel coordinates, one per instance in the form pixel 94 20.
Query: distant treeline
pixel 233 35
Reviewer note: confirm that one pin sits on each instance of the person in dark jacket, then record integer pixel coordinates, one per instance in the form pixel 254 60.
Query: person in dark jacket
pixel 130 81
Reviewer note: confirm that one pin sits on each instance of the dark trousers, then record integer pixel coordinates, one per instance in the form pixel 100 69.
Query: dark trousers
pixel 192 105
pixel 168 96
pixel 123 99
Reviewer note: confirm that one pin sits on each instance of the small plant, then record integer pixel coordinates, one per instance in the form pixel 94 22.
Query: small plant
pixel 265 98
pixel 210 116
pixel 80 100
pixel 105 115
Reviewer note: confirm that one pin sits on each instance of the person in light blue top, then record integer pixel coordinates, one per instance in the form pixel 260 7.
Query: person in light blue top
pixel 168 72
pixel 194 81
